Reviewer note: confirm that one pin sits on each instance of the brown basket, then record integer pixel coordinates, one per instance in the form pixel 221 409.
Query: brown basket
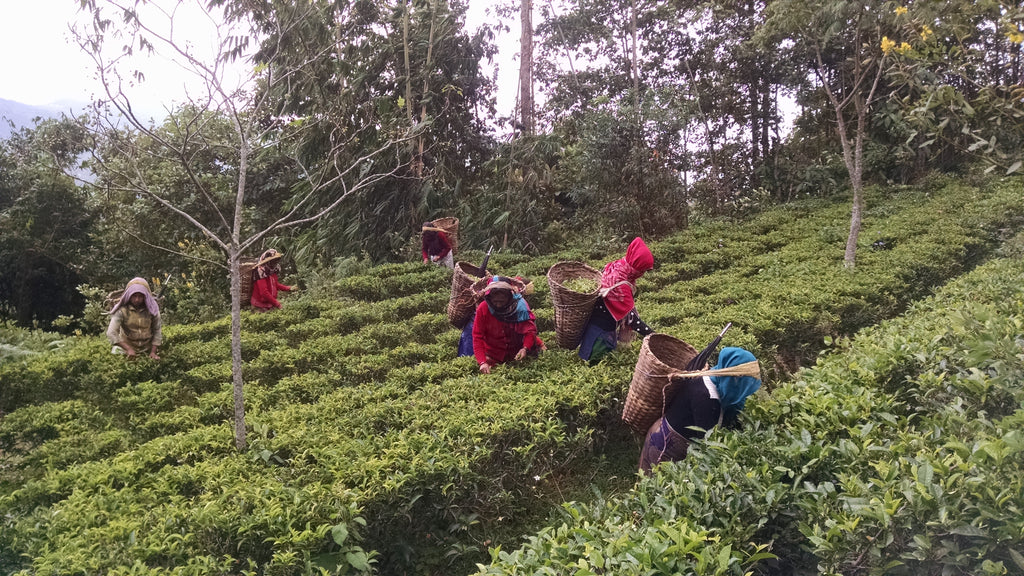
pixel 245 271
pixel 463 300
pixel 451 229
pixel 651 389
pixel 572 309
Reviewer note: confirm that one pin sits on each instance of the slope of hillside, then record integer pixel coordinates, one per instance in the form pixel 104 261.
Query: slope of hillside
pixel 372 445
pixel 897 453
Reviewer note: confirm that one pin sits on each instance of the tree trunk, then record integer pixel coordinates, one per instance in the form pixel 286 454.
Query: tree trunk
pixel 635 64
pixel 236 347
pixel 526 67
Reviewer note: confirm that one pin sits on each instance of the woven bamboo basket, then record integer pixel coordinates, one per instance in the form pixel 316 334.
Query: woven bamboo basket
pixel 652 387
pixel 451 229
pixel 572 309
pixel 245 271
pixel 463 300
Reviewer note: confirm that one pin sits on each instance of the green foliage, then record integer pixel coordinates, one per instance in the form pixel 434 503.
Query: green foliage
pixel 374 448
pixel 17 343
pixel 44 223
pixel 897 453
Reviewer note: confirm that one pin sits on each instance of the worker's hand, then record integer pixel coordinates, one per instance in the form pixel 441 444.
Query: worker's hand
pixel 152 354
pixel 485 368
pixel 128 349
pixel 543 346
pixel 435 258
pixel 521 354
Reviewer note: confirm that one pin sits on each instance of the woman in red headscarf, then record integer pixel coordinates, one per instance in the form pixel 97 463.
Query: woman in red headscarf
pixel 615 311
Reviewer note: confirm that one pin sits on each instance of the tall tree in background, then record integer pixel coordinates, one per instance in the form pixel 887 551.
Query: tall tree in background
pixel 401 62
pixel 45 224
pixel 229 124
pixel 731 86
pixel 842 40
pixel 526 110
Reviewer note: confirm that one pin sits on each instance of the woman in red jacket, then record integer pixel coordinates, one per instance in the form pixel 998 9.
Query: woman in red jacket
pixel 436 246
pixel 264 282
pixel 504 327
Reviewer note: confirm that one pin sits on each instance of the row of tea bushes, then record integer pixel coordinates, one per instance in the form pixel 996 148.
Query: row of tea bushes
pixel 898 453
pixel 361 414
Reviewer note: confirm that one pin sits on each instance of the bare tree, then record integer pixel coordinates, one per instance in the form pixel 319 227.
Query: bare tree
pixel 133 27
pixel 526 66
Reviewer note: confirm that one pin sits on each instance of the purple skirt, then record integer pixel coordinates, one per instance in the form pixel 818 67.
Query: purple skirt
pixel 662 444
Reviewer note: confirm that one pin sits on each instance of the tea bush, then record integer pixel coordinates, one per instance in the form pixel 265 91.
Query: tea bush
pixel 897 453
pixel 373 448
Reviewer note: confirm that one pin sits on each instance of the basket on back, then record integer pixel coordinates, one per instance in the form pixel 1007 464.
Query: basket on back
pixel 652 388
pixel 463 300
pixel 245 271
pixel 572 309
pixel 450 226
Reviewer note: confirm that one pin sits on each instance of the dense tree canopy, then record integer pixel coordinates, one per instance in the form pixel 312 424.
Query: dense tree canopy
pixel 649 114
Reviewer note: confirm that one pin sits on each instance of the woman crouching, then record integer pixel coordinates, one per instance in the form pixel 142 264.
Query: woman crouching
pixel 504 327
pixel 135 325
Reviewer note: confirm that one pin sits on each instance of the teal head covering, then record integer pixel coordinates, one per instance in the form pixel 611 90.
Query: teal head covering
pixel 516 310
pixel 733 390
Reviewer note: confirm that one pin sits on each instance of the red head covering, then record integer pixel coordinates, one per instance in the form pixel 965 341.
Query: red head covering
pixel 619 300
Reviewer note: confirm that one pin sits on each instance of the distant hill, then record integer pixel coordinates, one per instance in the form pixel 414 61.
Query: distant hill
pixel 22 115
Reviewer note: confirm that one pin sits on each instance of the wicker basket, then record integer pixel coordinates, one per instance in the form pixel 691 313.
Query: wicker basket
pixel 463 300
pixel 651 389
pixel 245 271
pixel 572 309
pixel 451 229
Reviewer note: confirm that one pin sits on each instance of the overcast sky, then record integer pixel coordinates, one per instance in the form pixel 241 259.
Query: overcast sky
pixel 40 64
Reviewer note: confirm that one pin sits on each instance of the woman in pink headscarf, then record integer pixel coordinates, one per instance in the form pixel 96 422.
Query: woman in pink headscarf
pixel 615 311
pixel 135 321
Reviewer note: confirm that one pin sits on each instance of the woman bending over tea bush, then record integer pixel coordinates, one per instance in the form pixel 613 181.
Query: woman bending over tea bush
pixel 135 321
pixel 701 404
pixel 504 327
pixel 615 310
pixel 436 246
pixel 265 283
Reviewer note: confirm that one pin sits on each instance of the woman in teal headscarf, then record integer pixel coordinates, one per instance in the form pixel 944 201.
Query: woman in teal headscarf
pixel 701 404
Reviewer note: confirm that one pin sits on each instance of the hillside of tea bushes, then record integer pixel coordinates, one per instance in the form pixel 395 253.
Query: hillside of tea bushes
pixel 372 448
pixel 899 452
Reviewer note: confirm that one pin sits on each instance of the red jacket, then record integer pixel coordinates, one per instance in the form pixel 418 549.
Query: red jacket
pixel 435 244
pixel 495 341
pixel 264 292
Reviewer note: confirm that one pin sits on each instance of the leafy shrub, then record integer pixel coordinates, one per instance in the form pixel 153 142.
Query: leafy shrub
pixel 360 413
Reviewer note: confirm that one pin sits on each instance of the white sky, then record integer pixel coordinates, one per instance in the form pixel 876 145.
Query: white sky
pixel 41 64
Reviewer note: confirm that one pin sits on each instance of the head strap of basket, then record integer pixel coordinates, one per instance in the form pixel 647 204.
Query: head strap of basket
pixel 450 226
pixel 653 387
pixel 464 299
pixel 572 309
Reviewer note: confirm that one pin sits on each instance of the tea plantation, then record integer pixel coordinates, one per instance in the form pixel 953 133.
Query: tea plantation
pixel 374 449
